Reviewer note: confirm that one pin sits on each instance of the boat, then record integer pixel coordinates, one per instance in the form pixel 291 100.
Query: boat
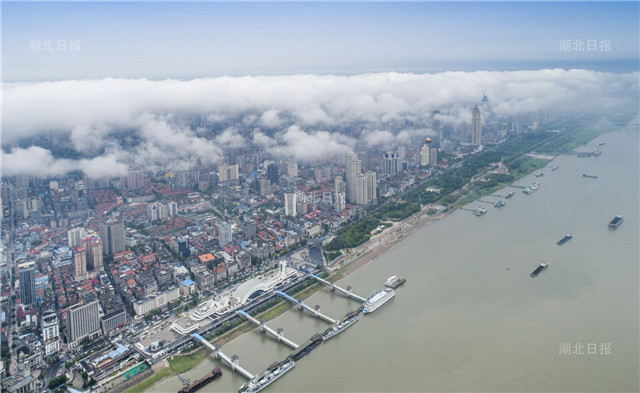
pixel 304 350
pixel 510 194
pixel 273 372
pixel 554 168
pixel 589 176
pixel 347 321
pixel 539 269
pixel 215 373
pixel 565 239
pixel 615 222
pixel 539 174
pixel 527 190
pixel 500 203
pixel 534 186
pixel 378 299
pixel 479 211
pixel 394 282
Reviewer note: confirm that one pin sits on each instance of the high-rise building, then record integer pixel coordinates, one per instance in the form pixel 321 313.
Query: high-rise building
pixel 340 201
pixel 133 179
pixel 464 133
pixel 338 184
pixel 433 156
pixel 476 127
pixel 93 245
pixel 249 228
pixel 322 174
pixel 27 275
pixel 75 236
pixel 353 169
pixel 224 233
pixel 272 173
pixel 292 169
pixel 424 155
pixel 290 204
pixel 228 172
pixel 80 263
pixel 392 164
pixel 183 247
pixel 372 187
pixel 50 333
pixel 83 320
pixel 112 236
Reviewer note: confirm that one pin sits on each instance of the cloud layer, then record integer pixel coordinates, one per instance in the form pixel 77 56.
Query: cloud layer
pixel 173 124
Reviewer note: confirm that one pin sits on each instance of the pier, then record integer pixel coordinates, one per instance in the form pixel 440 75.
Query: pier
pixel 333 287
pixel 302 306
pixel 480 200
pixel 233 363
pixel 264 328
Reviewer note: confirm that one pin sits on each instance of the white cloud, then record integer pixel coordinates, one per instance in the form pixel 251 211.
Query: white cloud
pixel 158 115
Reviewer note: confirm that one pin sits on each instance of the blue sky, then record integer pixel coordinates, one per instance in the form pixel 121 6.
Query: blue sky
pixel 188 40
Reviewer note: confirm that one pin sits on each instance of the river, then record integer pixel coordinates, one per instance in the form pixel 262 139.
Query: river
pixel 469 317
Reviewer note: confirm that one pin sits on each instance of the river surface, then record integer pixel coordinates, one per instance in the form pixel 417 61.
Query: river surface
pixel 469 317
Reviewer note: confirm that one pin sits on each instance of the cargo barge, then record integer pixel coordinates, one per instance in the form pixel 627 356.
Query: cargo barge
pixel 589 176
pixel 304 350
pixel 539 269
pixel 215 373
pixel 273 372
pixel 615 222
pixel 565 239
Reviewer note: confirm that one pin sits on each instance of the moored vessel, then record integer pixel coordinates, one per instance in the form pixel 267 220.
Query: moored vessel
pixel 215 373
pixel 273 372
pixel 539 269
pixel 510 194
pixel 347 321
pixel 499 203
pixel 615 222
pixel 394 282
pixel 479 211
pixel 378 299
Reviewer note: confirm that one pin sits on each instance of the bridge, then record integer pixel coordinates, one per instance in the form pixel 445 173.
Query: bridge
pixel 333 287
pixel 264 328
pixel 219 354
pixel 301 306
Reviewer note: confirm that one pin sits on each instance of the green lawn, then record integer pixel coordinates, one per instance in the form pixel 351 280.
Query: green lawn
pixel 147 383
pixel 184 363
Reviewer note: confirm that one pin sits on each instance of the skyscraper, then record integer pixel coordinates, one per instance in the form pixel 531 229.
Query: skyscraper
pixel 338 184
pixel 464 133
pixel 272 173
pixel 476 127
pixel 290 204
pixel 224 233
pixel 83 320
pixel 93 245
pixel 433 156
pixel 391 163
pixel 353 169
pixel 27 274
pixel 112 236
pixel 75 236
pixel 424 155
pixel 80 263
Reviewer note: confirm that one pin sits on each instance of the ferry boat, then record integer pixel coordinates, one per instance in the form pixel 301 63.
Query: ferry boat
pixel 215 373
pixel 565 239
pixel 500 203
pixel 615 222
pixel 378 299
pixel 510 194
pixel 539 269
pixel 273 372
pixel 394 282
pixel 349 320
pixel 479 211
